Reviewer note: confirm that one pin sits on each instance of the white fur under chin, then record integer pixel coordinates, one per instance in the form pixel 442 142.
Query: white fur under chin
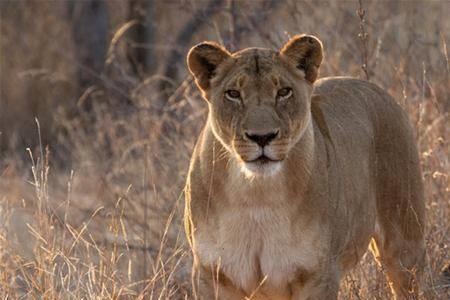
pixel 253 170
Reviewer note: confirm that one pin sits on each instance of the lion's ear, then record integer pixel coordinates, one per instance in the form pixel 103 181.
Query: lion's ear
pixel 203 60
pixel 305 52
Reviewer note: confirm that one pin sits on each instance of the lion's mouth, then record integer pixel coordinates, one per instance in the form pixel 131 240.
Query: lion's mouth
pixel 263 165
pixel 262 160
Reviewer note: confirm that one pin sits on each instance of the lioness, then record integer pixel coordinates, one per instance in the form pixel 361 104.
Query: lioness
pixel 291 178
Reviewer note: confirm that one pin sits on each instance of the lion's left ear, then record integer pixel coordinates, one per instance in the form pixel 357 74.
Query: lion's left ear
pixel 305 52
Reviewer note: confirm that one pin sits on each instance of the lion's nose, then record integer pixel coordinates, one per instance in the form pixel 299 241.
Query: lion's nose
pixel 262 139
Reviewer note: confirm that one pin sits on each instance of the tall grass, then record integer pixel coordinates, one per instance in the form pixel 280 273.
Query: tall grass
pixel 92 209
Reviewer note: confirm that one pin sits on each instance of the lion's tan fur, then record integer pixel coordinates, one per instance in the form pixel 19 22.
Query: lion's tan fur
pixel 349 172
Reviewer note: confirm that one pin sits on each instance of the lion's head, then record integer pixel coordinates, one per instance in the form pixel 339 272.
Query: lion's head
pixel 259 99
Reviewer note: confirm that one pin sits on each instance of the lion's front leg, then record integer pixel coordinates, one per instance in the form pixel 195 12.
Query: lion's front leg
pixel 316 288
pixel 210 284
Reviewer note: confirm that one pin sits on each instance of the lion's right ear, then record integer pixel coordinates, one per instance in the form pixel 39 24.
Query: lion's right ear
pixel 203 60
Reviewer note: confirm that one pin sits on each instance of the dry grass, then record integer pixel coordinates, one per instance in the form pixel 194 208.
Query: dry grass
pixel 93 209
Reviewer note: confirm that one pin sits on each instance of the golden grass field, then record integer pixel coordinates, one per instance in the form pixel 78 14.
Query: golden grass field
pixel 91 176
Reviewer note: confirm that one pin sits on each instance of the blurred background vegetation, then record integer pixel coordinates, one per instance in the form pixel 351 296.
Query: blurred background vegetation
pixel 98 118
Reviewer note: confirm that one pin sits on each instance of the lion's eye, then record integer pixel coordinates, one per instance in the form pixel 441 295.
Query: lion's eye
pixel 233 96
pixel 284 93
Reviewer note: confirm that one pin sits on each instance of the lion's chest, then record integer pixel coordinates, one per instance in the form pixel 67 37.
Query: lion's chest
pixel 251 242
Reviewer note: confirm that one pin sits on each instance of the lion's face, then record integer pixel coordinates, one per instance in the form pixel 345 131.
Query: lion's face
pixel 259 99
pixel 259 108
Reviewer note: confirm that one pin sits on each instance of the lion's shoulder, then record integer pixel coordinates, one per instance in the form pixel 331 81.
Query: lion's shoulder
pixel 351 96
pixel 347 85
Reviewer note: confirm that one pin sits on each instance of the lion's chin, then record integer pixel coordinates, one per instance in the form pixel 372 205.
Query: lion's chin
pixel 261 168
